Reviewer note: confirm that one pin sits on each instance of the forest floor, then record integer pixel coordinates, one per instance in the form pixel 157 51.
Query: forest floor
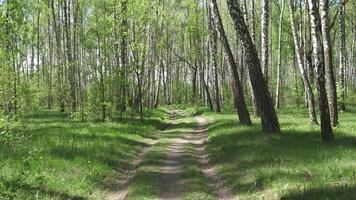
pixel 198 155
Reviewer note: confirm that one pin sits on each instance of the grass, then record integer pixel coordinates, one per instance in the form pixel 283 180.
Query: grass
pixel 66 159
pixel 292 165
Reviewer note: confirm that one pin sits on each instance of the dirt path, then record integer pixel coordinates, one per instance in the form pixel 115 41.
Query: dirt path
pixel 171 169
pixel 198 137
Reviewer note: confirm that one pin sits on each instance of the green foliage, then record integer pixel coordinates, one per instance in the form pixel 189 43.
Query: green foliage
pixel 297 92
pixel 351 98
pixel 13 133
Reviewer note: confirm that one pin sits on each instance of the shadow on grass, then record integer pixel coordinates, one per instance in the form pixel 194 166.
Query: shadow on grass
pixel 253 162
pixel 98 150
pixel 20 187
pixel 336 193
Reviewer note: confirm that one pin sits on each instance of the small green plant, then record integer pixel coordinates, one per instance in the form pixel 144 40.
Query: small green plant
pixel 13 133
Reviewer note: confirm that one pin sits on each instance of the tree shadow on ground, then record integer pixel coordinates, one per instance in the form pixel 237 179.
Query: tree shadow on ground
pixel 98 150
pixel 251 161
pixel 15 187
pixel 332 192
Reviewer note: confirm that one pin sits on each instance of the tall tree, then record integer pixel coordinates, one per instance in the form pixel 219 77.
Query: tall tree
pixel 328 60
pixel 307 85
pixel 242 111
pixel 279 64
pixel 70 59
pixel 318 54
pixel 213 57
pixel 269 117
pixel 253 21
pixel 123 57
pixel 252 24
pixel 342 50
pixel 265 16
pixel 59 63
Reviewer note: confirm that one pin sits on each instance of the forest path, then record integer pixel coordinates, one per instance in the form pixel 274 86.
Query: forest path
pixel 198 137
pixel 171 169
pixel 171 183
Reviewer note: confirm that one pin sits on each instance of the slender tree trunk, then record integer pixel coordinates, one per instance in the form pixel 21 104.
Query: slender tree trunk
pixel 342 50
pixel 50 55
pixel 123 57
pixel 326 129
pixel 38 41
pixel 265 4
pixel 59 56
pixel 213 56
pixel 269 117
pixel 242 111
pixel 252 23
pixel 194 84
pixel 352 58
pixel 328 59
pixel 280 35
pixel 206 88
pixel 72 72
pixel 306 82
pixel 100 63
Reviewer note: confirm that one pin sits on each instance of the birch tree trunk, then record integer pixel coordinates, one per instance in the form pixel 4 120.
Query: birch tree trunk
pixel 252 24
pixel 242 111
pixel 265 4
pixel 60 74
pixel 306 82
pixel 342 49
pixel 123 58
pixel 213 56
pixel 253 21
pixel 71 66
pixel 328 59
pixel 269 117
pixel 280 34
pixel 318 53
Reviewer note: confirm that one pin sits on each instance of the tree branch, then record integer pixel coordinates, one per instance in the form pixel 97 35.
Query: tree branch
pixel 176 54
pixel 336 14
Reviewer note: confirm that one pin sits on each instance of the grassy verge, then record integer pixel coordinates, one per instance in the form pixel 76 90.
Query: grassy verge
pixel 66 159
pixel 291 165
